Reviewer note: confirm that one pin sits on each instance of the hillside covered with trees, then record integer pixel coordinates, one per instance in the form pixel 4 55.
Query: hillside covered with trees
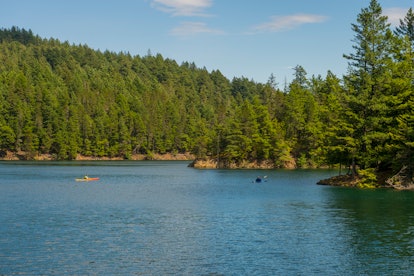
pixel 67 100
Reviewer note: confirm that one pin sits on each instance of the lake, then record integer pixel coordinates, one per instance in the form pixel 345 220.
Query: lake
pixel 163 218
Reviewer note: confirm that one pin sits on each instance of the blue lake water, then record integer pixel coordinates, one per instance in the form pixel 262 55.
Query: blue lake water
pixel 163 218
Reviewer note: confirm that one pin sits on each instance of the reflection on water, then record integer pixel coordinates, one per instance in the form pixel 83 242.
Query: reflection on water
pixel 378 226
pixel 158 218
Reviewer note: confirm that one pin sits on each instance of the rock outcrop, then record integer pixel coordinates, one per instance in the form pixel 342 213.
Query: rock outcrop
pixel 403 180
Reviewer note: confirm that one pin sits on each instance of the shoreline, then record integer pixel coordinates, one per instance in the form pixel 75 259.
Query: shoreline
pixel 211 163
pixel 23 156
pixel 398 182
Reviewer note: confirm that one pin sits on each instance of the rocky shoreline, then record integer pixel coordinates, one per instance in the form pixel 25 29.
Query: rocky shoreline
pixel 340 181
pixel 24 156
pixel 213 164
pixel 210 163
pixel 199 163
pixel 402 181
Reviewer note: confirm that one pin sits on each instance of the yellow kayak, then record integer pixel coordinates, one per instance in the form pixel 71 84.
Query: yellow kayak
pixel 86 179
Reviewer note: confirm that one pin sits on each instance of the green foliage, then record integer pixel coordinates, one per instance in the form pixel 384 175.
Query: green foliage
pixel 302 161
pixel 367 89
pixel 378 86
pixel 368 179
pixel 406 27
pixel 7 137
pixel 67 100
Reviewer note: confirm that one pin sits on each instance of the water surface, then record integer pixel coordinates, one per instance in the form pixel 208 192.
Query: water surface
pixel 160 218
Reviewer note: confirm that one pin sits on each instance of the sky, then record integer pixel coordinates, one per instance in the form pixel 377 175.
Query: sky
pixel 240 38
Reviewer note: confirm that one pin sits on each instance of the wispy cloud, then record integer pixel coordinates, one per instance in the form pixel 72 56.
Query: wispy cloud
pixel 183 7
pixel 395 14
pixel 193 28
pixel 288 22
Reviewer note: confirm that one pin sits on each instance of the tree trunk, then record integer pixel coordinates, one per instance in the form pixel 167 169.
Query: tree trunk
pixel 353 167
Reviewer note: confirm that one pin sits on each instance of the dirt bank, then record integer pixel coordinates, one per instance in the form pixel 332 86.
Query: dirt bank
pixel 15 156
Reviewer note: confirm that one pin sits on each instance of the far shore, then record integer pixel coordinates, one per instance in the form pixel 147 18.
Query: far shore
pixel 20 156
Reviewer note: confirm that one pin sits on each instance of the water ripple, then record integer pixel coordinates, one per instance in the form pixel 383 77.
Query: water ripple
pixel 159 219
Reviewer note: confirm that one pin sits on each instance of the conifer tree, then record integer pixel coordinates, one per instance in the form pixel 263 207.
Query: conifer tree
pixel 366 84
pixel 406 27
pixel 402 142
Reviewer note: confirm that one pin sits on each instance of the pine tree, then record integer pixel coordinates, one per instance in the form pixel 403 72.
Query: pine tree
pixel 367 85
pixel 406 27
pixel 402 142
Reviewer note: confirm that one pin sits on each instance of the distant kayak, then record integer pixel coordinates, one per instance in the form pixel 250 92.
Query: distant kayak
pixel 86 179
pixel 259 179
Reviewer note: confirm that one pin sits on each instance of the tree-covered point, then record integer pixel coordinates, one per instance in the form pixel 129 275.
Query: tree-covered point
pixel 65 100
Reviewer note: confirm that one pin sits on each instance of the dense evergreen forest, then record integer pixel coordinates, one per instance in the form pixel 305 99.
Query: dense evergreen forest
pixel 63 99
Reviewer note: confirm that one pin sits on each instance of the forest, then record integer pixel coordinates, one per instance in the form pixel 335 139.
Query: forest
pixel 67 100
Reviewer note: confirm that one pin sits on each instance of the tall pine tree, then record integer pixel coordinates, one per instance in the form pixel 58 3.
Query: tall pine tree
pixel 367 85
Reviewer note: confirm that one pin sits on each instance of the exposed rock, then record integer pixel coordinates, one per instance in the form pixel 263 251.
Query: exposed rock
pixel 403 180
pixel 22 155
pixel 175 156
pixel 346 180
pixel 203 164
pixel 210 163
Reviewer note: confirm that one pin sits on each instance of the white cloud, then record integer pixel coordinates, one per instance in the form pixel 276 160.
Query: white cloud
pixel 183 7
pixel 193 28
pixel 395 14
pixel 283 23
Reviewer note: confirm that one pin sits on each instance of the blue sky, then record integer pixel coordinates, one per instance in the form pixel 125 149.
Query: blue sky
pixel 249 38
